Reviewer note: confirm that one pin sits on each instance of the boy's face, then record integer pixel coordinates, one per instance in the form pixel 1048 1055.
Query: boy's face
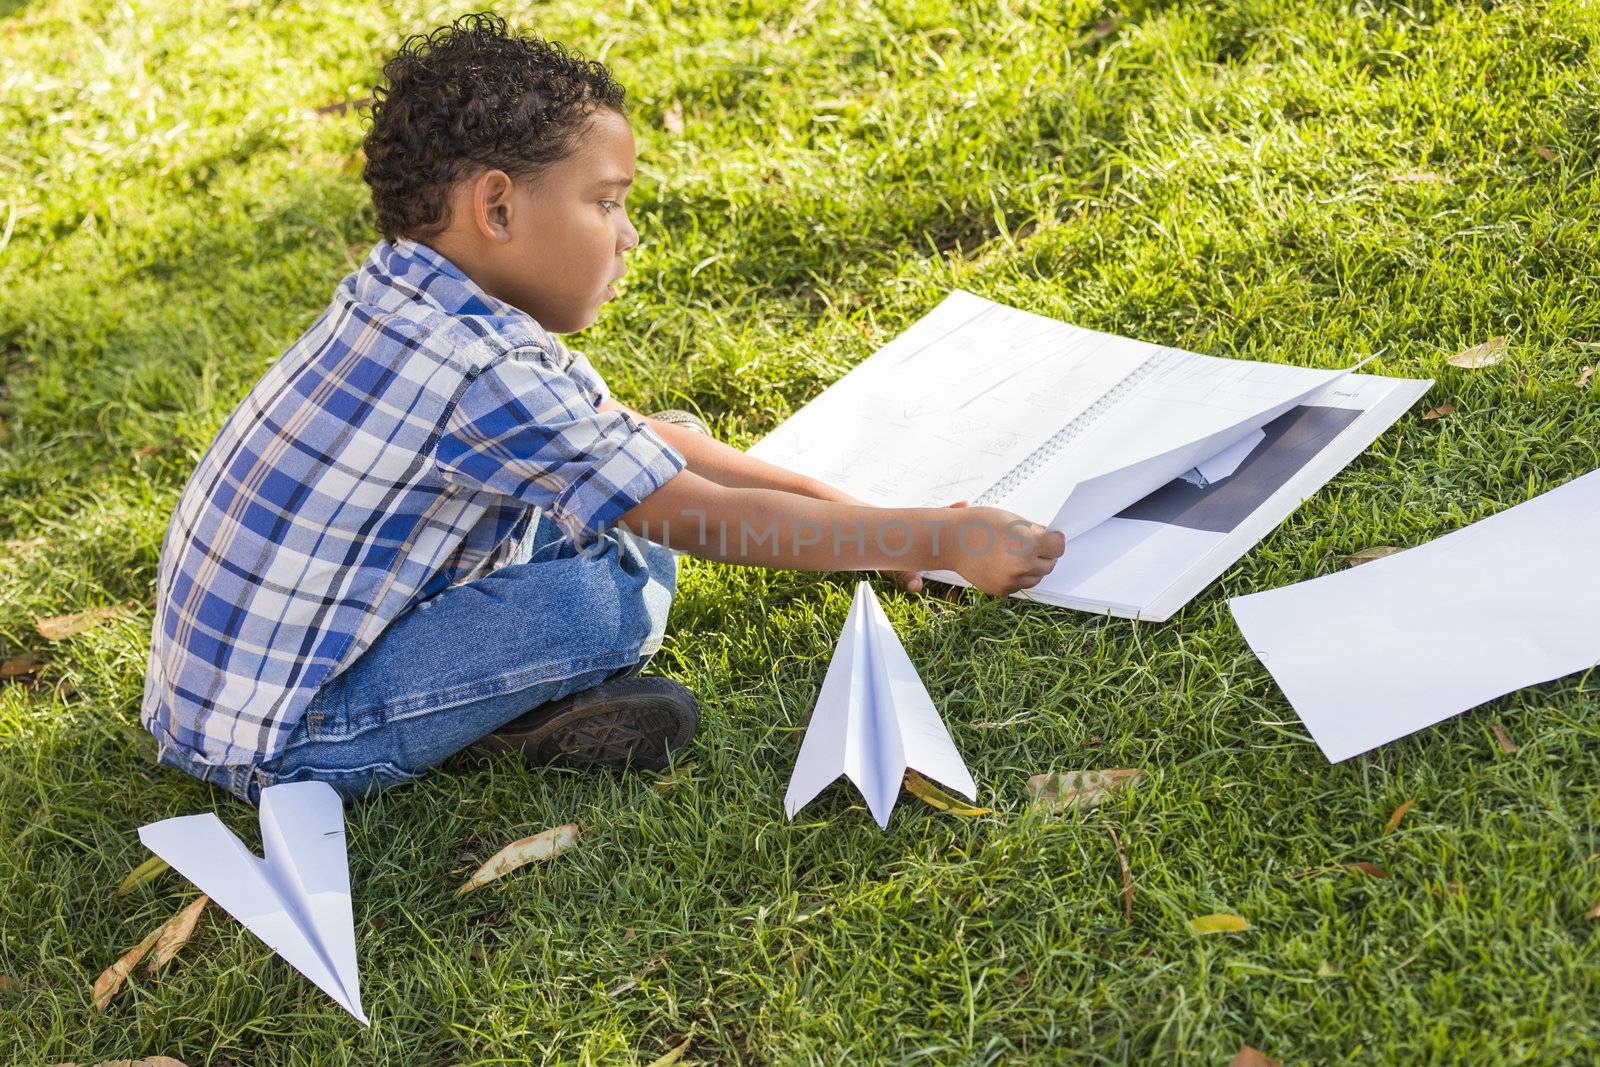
pixel 559 238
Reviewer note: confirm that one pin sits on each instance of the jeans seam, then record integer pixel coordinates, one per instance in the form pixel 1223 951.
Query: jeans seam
pixel 413 706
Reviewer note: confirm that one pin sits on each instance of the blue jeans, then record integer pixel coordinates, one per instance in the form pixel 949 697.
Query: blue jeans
pixel 454 667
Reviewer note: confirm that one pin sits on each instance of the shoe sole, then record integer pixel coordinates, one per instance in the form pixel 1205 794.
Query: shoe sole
pixel 631 722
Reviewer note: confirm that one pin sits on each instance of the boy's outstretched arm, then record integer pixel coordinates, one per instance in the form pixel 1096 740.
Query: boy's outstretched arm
pixel 726 465
pixel 994 550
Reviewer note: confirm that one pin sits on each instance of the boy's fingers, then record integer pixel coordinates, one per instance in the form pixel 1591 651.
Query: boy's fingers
pixel 1053 545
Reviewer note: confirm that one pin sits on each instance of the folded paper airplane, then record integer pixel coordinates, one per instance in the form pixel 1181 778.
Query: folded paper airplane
pixel 873 720
pixel 297 899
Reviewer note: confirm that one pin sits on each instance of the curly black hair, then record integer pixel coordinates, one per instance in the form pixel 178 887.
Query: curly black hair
pixel 467 97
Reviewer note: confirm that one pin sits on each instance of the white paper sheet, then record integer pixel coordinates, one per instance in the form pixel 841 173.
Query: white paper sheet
pixel 1379 651
pixel 873 720
pixel 296 899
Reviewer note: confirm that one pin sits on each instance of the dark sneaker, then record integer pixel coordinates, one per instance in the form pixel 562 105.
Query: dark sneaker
pixel 626 722
pixel 678 417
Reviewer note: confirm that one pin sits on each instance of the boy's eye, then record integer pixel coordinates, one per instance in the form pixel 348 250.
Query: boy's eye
pixel 609 206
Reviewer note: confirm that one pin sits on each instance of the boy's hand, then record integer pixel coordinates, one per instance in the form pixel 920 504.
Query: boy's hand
pixel 999 552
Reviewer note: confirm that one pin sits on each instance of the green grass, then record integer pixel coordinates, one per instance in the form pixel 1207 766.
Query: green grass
pixel 1211 175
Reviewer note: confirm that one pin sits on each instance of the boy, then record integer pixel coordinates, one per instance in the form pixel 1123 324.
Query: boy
pixel 420 530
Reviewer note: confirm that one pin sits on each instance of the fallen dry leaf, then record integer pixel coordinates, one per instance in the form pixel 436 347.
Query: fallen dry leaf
pixel 672 118
pixel 1505 743
pixel 60 627
pixel 672 1056
pixel 111 979
pixel 21 545
pixel 1544 153
pixel 339 107
pixel 1583 377
pixel 141 874
pixel 1250 1056
pixel 1127 876
pixel 1100 31
pixel 933 794
pixel 166 939
pixel 1399 813
pixel 1594 911
pixel 1366 867
pixel 540 846
pixel 1439 412
pixel 1222 923
pixel 1487 354
pixel 1367 555
pixel 1080 789
pixel 161 446
pixel 1419 176
pixel 8 984
pixel 20 666
pixel 175 934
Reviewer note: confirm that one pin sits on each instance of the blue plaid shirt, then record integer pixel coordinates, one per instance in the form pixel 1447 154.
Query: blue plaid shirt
pixel 399 447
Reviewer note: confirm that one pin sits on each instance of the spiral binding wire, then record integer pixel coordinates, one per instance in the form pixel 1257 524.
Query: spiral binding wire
pixel 1036 459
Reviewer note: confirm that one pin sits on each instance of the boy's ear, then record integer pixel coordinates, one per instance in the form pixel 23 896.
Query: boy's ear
pixel 491 204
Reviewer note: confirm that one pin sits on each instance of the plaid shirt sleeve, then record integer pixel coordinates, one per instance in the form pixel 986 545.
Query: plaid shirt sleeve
pixel 526 429
pixel 589 378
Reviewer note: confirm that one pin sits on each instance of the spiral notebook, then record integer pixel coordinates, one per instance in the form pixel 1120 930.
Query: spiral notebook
pixel 1161 466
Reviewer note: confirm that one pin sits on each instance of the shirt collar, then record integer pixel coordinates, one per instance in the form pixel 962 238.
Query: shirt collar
pixel 422 273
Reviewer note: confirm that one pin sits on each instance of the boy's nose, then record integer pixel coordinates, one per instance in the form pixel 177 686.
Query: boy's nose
pixel 628 240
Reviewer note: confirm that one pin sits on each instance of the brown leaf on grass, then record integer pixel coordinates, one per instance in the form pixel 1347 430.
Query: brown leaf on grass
pixel 1487 354
pixel 340 107
pixel 1399 813
pixel 60 627
pixel 111 979
pixel 672 118
pixel 8 984
pixel 175 934
pixel 1583 377
pixel 934 795
pixel 1367 555
pixel 160 446
pixel 673 1055
pixel 1366 867
pixel 141 874
pixel 1250 1056
pixel 1545 154
pixel 1127 876
pixel 540 846
pixel 1439 412
pixel 1080 789
pixel 1100 31
pixel 1506 744
pixel 19 545
pixel 166 939
pixel 1593 912
pixel 1420 177
pixel 1222 923
pixel 20 666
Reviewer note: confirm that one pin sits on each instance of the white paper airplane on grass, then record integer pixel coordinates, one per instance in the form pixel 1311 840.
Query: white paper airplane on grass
pixel 297 900
pixel 873 720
